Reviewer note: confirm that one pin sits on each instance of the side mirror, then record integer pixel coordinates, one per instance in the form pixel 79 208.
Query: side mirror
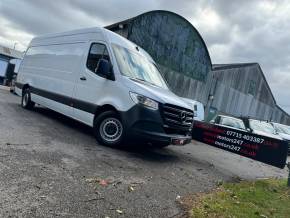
pixel 104 69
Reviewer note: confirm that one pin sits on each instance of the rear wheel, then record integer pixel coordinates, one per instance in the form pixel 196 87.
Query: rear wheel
pixel 26 99
pixel 108 129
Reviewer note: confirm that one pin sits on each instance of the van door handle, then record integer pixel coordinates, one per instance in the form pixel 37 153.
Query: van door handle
pixel 83 78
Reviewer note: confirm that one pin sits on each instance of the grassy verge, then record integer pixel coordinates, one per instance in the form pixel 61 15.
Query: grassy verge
pixel 262 198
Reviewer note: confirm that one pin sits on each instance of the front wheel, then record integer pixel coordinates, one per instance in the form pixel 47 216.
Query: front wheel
pixel 26 99
pixel 108 129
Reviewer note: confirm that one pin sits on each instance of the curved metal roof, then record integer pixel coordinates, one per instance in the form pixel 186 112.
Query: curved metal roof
pixel 171 40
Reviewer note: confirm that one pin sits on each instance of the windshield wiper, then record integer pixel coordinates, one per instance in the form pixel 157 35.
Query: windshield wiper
pixel 142 80
pixel 138 79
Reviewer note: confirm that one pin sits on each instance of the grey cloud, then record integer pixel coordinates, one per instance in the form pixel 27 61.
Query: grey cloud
pixel 112 11
pixel 32 18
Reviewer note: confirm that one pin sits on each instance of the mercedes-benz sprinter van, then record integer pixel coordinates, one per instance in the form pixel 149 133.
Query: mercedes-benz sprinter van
pixel 107 82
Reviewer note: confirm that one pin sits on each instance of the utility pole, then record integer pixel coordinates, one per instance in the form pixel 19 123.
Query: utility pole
pixel 211 96
pixel 288 165
pixel 14 46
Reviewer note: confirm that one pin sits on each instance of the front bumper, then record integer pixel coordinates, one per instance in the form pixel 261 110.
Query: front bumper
pixel 162 137
pixel 143 124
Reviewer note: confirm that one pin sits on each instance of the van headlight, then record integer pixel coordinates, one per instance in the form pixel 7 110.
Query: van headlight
pixel 143 100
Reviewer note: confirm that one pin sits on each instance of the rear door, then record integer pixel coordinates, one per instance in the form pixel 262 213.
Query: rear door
pixel 89 85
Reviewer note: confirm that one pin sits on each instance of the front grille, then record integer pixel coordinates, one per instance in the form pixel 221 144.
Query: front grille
pixel 176 117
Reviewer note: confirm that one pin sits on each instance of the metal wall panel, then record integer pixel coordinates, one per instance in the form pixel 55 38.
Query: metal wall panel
pixel 185 86
pixel 172 42
pixel 232 96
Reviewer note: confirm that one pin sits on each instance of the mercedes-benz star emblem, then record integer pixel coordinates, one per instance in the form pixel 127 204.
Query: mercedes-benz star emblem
pixel 182 116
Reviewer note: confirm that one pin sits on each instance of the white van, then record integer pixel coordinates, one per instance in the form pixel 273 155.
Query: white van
pixel 107 82
pixel 197 108
pixel 16 63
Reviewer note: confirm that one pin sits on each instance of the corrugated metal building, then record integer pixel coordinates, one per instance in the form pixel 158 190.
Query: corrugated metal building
pixel 281 116
pixel 183 58
pixel 242 90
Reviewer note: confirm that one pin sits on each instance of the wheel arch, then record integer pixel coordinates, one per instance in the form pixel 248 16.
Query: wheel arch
pixel 100 116
pixel 25 86
pixel 104 108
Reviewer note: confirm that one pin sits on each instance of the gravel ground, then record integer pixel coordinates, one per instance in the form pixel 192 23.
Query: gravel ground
pixel 51 166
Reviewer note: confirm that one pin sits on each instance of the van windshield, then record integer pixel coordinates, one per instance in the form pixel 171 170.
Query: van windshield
pixel 138 67
pixel 282 129
pixel 262 126
pixel 232 122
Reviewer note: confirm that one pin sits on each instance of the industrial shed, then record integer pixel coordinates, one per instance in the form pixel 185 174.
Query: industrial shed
pixel 280 116
pixel 242 90
pixel 6 54
pixel 176 46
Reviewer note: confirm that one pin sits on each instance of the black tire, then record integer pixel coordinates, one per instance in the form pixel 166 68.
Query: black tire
pixel 108 129
pixel 26 99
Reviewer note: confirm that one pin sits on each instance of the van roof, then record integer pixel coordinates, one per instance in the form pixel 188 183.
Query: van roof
pixel 71 32
pixel 85 35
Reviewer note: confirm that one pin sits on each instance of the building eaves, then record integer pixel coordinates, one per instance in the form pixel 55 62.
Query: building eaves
pixel 9 52
pixel 216 67
pixel 282 110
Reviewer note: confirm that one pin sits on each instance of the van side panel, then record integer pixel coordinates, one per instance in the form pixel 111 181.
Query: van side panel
pixel 200 111
pixel 51 70
pixel 51 67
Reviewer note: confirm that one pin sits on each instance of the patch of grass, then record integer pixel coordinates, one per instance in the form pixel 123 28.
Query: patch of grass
pixel 262 198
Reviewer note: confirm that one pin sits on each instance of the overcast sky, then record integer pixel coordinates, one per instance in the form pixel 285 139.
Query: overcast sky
pixel 234 31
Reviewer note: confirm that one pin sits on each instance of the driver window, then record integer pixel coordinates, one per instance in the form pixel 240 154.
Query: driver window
pixel 98 51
